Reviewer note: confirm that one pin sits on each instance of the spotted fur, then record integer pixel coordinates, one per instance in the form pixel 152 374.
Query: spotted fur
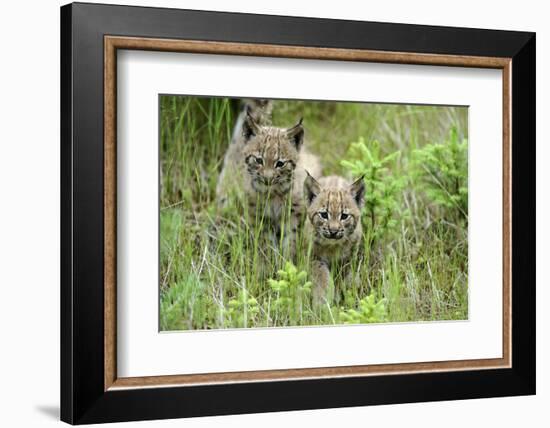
pixel 333 225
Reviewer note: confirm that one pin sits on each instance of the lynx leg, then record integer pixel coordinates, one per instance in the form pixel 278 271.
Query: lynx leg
pixel 291 236
pixel 321 281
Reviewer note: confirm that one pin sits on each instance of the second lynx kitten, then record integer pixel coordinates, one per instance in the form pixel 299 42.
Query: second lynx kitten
pixel 334 225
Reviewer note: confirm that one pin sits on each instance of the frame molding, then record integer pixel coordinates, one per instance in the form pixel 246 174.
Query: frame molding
pixel 90 391
pixel 113 43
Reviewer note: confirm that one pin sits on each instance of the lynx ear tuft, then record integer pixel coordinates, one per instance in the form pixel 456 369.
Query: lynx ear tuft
pixel 357 190
pixel 250 127
pixel 311 188
pixel 296 134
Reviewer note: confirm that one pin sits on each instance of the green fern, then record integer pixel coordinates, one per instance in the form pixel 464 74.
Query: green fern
pixel 242 310
pixel 442 173
pixel 369 311
pixel 291 292
pixel 383 189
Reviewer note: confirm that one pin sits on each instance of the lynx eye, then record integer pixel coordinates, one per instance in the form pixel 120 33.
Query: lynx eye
pixel 259 161
pixel 279 164
pixel 344 216
pixel 323 214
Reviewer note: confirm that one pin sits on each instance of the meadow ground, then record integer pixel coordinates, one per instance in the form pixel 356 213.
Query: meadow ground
pixel 217 271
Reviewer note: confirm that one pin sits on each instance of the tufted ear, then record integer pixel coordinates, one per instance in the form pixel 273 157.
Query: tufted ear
pixel 311 188
pixel 250 127
pixel 296 134
pixel 357 190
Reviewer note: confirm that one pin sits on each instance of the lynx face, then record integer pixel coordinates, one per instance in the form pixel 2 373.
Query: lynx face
pixel 334 206
pixel 271 155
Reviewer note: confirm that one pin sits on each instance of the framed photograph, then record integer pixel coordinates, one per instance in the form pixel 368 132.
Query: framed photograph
pixel 265 213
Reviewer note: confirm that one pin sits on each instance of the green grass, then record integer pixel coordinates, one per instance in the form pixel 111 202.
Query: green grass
pixel 217 271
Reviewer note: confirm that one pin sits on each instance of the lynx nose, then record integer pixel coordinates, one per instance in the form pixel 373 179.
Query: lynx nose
pixel 334 234
pixel 333 227
pixel 268 177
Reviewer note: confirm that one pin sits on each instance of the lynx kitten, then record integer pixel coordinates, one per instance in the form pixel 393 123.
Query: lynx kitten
pixel 333 224
pixel 268 164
